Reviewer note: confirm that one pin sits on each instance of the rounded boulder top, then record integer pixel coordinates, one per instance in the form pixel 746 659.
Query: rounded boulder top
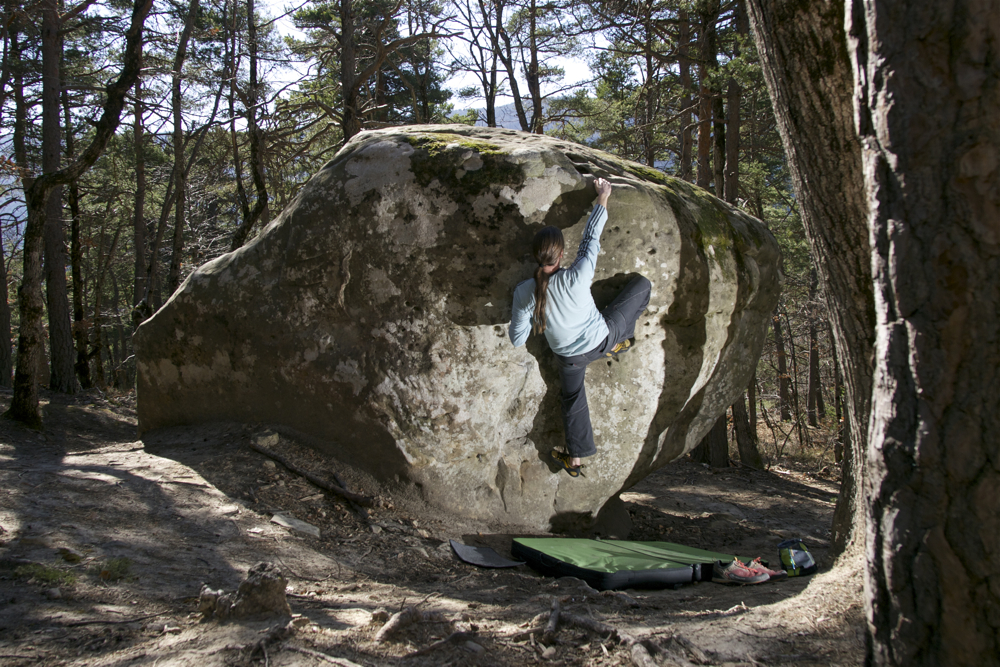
pixel 372 316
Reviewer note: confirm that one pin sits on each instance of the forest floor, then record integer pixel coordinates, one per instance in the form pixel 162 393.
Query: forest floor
pixel 106 541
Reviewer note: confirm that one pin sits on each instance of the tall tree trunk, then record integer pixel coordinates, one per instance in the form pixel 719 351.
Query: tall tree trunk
pixel 97 333
pixel 714 447
pixel 684 64
pixel 21 157
pixel 734 95
pixel 746 438
pixel 82 366
pixel 24 403
pixel 796 409
pixel 120 376
pixel 140 304
pixel 927 90
pixel 784 380
pixel 838 398
pixel 707 57
pixel 350 123
pixel 719 149
pixel 814 404
pixel 179 172
pixel 103 269
pixel 804 57
pixel 537 122
pixel 743 427
pixel 6 353
pixel 650 92
pixel 491 94
pixel 62 376
pixel 504 50
pixel 256 137
pixel 718 443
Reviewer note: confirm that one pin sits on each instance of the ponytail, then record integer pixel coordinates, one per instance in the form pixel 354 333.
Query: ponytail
pixel 541 295
pixel 547 248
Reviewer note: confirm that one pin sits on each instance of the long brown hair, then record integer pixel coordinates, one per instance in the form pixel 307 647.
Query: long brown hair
pixel 547 247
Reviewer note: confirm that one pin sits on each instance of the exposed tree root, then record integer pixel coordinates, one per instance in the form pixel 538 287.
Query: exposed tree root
pixel 343 662
pixel 350 496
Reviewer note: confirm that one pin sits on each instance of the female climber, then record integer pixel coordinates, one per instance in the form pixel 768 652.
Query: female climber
pixel 558 303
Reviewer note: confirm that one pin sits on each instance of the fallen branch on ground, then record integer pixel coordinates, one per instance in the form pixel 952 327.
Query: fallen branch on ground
pixel 343 662
pixel 550 629
pixel 78 624
pixel 450 639
pixel 408 616
pixel 640 655
pixel 276 634
pixel 318 481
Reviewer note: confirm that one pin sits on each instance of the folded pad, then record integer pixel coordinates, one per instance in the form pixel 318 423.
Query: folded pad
pixel 481 556
pixel 615 564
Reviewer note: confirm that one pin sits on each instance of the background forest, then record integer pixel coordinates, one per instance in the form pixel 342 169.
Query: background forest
pixel 228 117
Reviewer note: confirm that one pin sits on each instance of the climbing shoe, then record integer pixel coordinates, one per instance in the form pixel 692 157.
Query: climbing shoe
pixel 563 459
pixel 623 346
pixel 736 573
pixel 773 575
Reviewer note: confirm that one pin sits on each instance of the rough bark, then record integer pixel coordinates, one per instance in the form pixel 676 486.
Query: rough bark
pixel 24 403
pixel 734 95
pixel 746 437
pixel 501 39
pixel 684 64
pixel 82 364
pixel 62 377
pixel 256 138
pixel 838 402
pixel 714 447
pixel 179 173
pixel 814 403
pixel 808 73
pixel 927 90
pixel 6 353
pixel 103 269
pixel 6 356
pixel 709 13
pixel 531 71
pixel 140 281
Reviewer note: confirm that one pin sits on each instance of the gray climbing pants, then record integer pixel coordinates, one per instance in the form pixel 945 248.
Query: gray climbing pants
pixel 621 315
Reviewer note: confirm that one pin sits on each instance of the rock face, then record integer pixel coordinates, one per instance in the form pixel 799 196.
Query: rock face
pixel 372 315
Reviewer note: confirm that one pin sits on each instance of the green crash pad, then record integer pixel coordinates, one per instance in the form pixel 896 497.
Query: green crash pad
pixel 615 564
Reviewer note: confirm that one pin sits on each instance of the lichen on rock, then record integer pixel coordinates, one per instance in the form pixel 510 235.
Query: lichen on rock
pixel 372 315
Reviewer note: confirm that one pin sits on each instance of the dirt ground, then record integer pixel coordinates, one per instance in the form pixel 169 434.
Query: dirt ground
pixel 106 541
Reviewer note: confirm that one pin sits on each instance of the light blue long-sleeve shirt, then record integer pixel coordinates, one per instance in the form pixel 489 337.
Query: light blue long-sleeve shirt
pixel 573 325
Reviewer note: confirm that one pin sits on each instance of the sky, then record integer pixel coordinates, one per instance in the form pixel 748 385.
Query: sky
pixel 576 69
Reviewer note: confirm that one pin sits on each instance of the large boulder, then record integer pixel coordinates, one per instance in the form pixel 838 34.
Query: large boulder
pixel 372 315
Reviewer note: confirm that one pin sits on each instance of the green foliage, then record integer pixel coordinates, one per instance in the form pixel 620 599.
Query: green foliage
pixel 45 574
pixel 114 569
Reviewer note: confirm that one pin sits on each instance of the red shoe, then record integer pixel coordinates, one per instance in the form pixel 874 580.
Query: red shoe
pixel 773 575
pixel 736 573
